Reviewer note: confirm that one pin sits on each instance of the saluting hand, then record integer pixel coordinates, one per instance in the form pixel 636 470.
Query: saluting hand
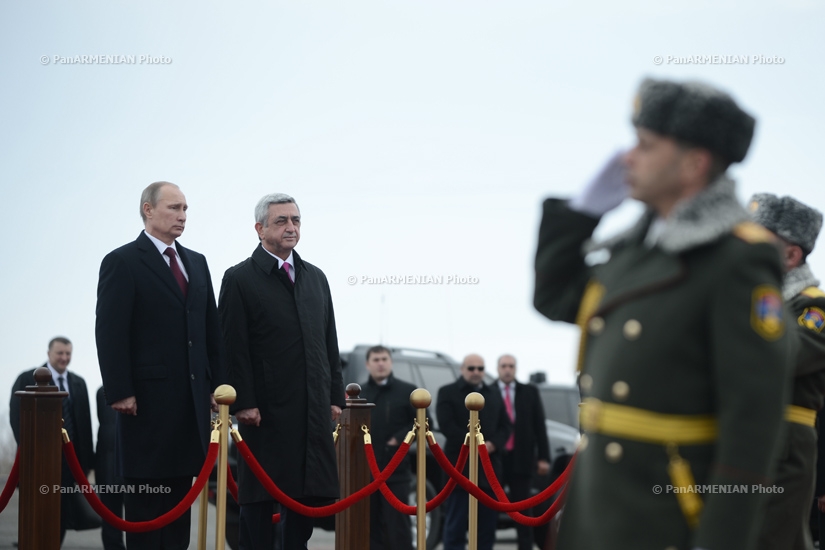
pixel 604 192
pixel 250 417
pixel 126 406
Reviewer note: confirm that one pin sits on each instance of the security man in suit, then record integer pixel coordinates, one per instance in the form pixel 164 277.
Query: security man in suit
pixel 684 345
pixel 452 417
pixel 796 227
pixel 390 420
pixel 77 420
pixel 159 348
pixel 527 450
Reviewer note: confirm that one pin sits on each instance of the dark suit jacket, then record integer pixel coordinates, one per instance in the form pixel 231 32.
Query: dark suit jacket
pixel 282 352
pixel 162 348
pixel 80 408
pixel 531 442
pixel 453 416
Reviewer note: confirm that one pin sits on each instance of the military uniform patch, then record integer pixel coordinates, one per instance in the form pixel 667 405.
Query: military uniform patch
pixel 766 312
pixel 813 318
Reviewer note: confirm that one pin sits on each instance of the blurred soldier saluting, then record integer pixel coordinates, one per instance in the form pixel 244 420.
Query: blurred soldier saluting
pixel 683 347
pixel 796 227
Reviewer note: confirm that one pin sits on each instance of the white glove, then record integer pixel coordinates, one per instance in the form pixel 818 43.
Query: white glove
pixel 606 191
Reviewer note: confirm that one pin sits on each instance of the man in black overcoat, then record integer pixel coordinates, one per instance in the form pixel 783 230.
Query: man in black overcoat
pixel 527 450
pixel 390 420
pixel 282 353
pixel 159 349
pixel 76 418
pixel 452 419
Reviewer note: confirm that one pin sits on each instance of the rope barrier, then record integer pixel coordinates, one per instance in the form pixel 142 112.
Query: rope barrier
pixel 483 497
pixel 320 511
pixel 11 482
pixel 502 496
pixel 406 508
pixel 231 484
pixel 140 526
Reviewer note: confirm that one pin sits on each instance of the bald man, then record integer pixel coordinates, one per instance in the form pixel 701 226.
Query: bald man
pixel 495 424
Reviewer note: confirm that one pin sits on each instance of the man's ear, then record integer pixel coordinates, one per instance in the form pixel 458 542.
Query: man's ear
pixel 793 256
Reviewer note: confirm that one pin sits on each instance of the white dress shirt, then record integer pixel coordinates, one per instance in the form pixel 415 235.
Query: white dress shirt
pixel 501 386
pixel 162 246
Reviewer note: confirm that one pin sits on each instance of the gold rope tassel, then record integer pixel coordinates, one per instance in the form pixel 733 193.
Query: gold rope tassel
pixel 682 478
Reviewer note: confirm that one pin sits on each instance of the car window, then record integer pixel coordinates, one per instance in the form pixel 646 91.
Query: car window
pixel 403 371
pixel 557 406
pixel 434 377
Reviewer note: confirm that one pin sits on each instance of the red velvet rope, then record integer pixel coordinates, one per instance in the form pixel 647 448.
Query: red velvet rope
pixel 230 483
pixel 140 526
pixel 320 511
pixel 11 482
pixel 483 497
pixel 406 508
pixel 502 496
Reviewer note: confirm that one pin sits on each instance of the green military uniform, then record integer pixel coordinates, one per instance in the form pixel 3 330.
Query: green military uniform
pixel 682 359
pixel 786 519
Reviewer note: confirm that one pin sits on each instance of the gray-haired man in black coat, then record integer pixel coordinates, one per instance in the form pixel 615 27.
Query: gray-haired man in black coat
pixel 282 352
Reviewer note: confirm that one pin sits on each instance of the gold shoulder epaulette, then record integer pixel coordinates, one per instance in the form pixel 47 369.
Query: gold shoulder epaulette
pixel 813 292
pixel 753 233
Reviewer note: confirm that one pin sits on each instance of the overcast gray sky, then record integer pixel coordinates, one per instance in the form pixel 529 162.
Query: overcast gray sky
pixel 419 138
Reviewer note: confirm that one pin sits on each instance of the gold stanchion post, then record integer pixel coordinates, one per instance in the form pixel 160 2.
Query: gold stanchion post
pixel 421 399
pixel 225 396
pixel 203 517
pixel 474 403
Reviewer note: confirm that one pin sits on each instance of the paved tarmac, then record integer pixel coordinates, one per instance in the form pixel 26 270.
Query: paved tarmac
pixel 86 540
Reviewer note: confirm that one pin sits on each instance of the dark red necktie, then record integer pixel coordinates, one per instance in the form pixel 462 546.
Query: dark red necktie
pixel 176 272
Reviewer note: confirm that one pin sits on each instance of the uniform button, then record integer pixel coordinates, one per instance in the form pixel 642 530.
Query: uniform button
pixel 632 329
pixel 190 343
pixel 595 326
pixel 621 390
pixel 613 451
pixel 586 382
pixel 193 377
pixel 583 443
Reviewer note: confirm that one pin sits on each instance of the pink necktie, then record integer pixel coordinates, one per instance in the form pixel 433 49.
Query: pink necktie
pixel 508 404
pixel 288 273
pixel 176 272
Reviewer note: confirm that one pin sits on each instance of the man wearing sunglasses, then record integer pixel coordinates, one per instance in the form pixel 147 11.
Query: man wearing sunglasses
pixel 495 425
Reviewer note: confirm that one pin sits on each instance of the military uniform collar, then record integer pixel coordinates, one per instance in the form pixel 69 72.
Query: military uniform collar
pixel 700 220
pixel 797 280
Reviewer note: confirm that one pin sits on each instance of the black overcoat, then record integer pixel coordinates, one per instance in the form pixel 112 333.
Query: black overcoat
pixel 282 358
pixel 162 348
pixel 531 441
pixel 82 440
pixel 453 418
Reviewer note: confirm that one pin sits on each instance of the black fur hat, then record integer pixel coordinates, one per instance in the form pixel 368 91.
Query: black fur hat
pixel 788 218
pixel 695 113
